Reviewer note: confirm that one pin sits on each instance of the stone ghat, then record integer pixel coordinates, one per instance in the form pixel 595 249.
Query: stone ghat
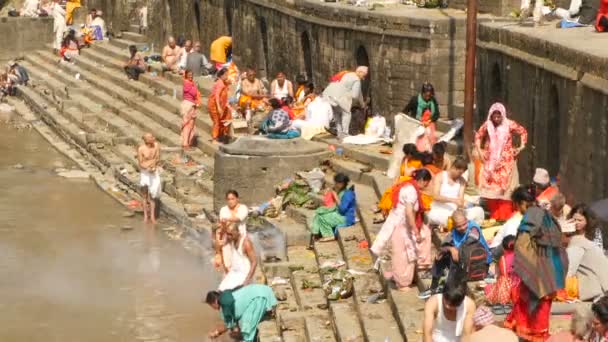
pixel 92 105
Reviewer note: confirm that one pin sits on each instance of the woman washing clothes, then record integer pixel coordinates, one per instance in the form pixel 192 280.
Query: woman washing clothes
pixel 540 263
pixel 411 162
pixel 338 213
pixel 494 142
pixel 191 101
pixel 448 195
pixel 410 237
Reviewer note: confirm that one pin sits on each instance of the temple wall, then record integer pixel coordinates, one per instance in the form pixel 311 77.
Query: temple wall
pixel 20 35
pixel 560 95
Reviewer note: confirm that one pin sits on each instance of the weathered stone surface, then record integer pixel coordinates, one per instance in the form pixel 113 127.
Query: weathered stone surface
pixel 21 35
pixel 245 165
pixel 74 174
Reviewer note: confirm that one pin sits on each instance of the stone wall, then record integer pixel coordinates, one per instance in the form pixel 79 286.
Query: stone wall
pixel 403 48
pixel 560 95
pixel 314 39
pixel 20 35
pixel 495 7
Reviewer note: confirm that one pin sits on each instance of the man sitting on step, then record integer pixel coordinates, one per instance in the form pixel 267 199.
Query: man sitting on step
pixel 170 55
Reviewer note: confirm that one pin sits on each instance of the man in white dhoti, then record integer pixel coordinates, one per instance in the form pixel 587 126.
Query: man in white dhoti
pixel 148 156
pixel 59 27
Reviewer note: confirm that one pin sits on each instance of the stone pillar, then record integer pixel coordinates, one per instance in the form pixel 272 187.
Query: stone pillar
pixel 255 165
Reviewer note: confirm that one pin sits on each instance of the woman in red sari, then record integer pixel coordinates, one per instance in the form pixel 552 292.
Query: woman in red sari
pixel 219 110
pixel 540 264
pixel 191 100
pixel 494 143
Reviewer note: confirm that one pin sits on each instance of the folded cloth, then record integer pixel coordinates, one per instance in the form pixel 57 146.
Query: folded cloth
pixel 152 181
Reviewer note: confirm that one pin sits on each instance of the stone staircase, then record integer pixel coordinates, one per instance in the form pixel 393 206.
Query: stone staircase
pixel 93 105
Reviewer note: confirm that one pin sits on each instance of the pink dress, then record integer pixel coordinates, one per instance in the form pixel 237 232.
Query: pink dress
pixel 404 252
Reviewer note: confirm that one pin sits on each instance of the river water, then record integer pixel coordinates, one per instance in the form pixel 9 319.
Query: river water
pixel 68 272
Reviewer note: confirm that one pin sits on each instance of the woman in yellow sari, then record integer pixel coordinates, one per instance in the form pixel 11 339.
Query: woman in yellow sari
pixel 411 161
pixel 70 6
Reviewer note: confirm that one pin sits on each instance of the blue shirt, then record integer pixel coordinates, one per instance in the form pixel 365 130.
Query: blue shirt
pixel 348 206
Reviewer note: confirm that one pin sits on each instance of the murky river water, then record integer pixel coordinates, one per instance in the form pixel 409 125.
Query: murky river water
pixel 69 273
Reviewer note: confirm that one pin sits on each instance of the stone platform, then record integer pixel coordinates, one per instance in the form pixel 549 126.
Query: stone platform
pixel 255 165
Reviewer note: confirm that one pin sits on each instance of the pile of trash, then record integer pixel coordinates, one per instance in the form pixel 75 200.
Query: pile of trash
pixel 338 285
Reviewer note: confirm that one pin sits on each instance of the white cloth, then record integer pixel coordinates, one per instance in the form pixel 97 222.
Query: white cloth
pixel 440 212
pixel 30 8
pixel 59 27
pixel 239 268
pixel 318 115
pixel 405 128
pixel 344 92
pixel 374 132
pixel 152 181
pixel 280 92
pixel 407 195
pixel 183 59
pixel 445 330
pixel 98 21
pixel 509 228
pixel 143 17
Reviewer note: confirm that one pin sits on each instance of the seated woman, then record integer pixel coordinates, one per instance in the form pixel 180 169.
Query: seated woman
pixel 278 125
pixel 448 195
pixel 242 310
pixel 316 118
pixel 586 261
pixel 411 161
pixel 70 48
pixel 281 87
pixel 287 104
pixel 300 93
pixel 306 96
pixel 328 219
pixel 253 92
pixel 135 65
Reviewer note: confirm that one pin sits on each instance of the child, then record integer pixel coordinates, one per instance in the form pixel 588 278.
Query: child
pixel 499 293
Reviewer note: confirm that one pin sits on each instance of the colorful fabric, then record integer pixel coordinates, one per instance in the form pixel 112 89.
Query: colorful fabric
pixel 540 260
pixel 459 238
pixel 424 106
pixel 219 93
pixel 246 308
pixel 337 77
pixel 386 201
pixel 70 6
pixel 499 155
pixel 290 134
pixel 602 14
pixel 530 325
pixel 396 193
pixel 219 50
pixel 191 92
pixel 500 292
pixel 483 316
pixel 326 219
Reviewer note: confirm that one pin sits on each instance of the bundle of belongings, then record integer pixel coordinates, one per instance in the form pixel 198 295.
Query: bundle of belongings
pixel 338 285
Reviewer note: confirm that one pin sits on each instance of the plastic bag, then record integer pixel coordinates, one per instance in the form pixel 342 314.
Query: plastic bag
pixel 315 179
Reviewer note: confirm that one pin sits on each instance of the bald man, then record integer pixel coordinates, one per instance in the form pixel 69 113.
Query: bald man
pixel 171 55
pixel 148 156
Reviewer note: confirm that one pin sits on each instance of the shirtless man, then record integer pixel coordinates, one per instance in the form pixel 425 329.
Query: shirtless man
pixel 171 54
pixel 148 156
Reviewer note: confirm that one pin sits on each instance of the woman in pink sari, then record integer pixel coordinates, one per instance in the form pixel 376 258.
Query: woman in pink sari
pixel 192 100
pixel 499 176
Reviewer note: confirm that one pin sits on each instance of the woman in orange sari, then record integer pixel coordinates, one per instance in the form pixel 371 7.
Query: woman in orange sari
pixel 218 107
pixel 411 161
pixel 191 100
pixel 307 96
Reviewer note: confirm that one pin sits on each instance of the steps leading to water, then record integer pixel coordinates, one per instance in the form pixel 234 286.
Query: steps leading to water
pixel 105 115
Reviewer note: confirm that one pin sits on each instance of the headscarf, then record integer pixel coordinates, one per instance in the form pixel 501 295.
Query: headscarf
pixel 497 135
pixel 459 238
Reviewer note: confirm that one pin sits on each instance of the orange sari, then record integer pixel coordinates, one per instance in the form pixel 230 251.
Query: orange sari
pixel 386 202
pixel 219 93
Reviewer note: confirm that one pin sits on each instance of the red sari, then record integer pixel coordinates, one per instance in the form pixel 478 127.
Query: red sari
pixel 219 93
pixel 531 326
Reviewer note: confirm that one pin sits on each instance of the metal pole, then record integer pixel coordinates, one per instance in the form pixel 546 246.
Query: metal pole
pixel 469 75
